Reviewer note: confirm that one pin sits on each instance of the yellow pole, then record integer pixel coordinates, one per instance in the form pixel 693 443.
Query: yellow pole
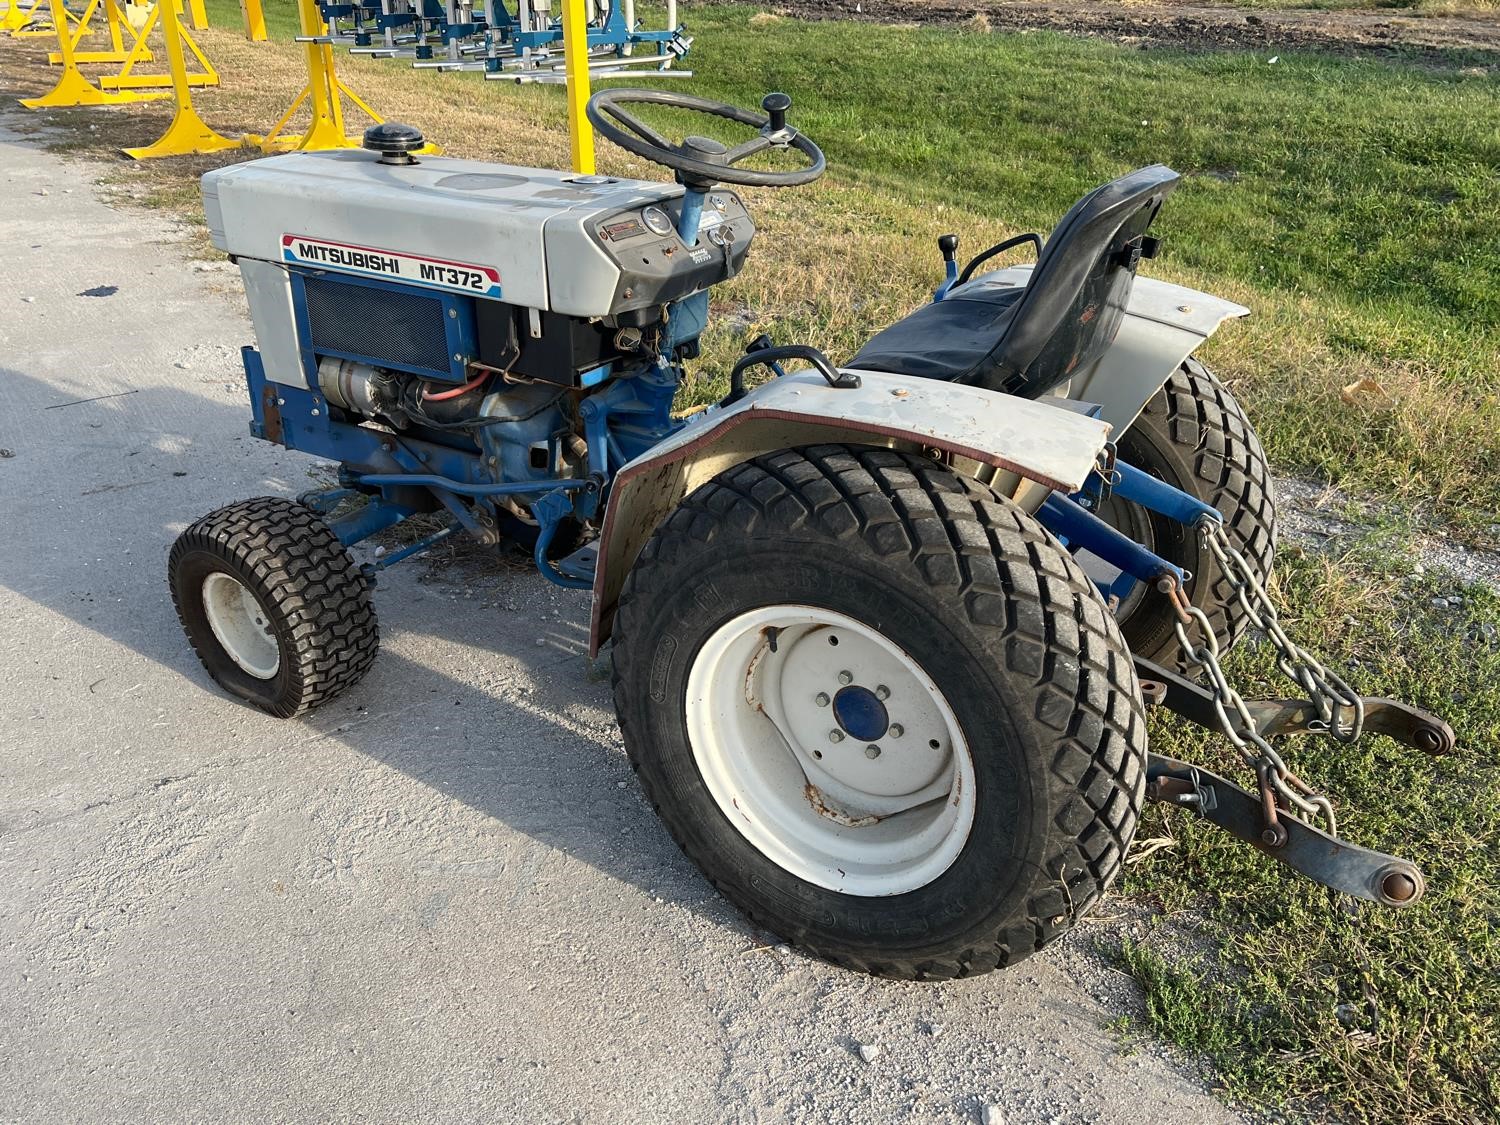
pixel 188 132
pixel 255 21
pixel 199 14
pixel 576 54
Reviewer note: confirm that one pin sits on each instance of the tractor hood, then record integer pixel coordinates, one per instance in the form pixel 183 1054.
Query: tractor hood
pixel 547 240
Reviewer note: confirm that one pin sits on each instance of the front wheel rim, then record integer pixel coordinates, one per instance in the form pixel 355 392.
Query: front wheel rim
pixel 241 625
pixel 830 750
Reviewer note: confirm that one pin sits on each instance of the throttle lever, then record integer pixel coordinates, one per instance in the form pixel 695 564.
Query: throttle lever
pixel 948 248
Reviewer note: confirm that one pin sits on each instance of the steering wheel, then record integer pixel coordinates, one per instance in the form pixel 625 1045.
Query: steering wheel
pixel 702 161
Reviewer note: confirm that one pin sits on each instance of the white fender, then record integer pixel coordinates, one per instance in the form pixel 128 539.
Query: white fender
pixel 1163 325
pixel 1025 448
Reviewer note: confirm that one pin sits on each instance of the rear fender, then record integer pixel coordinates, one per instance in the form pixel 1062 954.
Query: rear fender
pixel 1163 325
pixel 1025 449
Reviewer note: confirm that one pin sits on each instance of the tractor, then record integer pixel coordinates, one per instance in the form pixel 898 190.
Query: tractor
pixel 884 633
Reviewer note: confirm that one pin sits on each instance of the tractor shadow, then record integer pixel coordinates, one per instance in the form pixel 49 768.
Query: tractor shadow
pixel 521 730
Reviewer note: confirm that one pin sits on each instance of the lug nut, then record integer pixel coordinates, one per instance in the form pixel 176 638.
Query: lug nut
pixel 846 678
pixel 882 692
pixel 821 699
pixel 872 752
pixel 835 736
pixel 897 730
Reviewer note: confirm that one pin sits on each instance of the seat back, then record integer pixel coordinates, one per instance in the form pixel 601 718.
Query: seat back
pixel 1070 311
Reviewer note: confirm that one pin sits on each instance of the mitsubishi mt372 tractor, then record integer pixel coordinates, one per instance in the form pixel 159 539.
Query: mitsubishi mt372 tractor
pixel 884 633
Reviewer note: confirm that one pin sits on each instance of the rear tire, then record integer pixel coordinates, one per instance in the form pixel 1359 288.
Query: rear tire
pixel 951 589
pixel 273 604
pixel 1195 436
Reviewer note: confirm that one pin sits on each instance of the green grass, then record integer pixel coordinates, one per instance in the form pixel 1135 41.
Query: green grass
pixel 1353 205
pixel 1393 1016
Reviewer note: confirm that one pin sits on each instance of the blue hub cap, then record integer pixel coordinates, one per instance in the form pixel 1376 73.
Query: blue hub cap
pixel 860 713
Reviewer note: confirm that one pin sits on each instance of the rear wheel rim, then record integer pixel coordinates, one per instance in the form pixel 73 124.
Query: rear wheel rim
pixel 830 750
pixel 241 625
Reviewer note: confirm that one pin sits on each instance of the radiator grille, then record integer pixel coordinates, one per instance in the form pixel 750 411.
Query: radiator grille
pixel 387 328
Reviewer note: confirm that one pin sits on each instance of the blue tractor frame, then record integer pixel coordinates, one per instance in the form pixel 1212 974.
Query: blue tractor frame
pixel 624 420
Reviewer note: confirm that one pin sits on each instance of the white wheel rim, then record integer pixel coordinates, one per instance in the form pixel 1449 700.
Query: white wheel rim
pixel 871 792
pixel 241 625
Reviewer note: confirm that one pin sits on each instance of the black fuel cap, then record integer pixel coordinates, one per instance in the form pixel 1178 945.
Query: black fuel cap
pixel 394 141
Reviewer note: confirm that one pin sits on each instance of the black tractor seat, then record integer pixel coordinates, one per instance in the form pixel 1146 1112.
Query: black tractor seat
pixel 1025 340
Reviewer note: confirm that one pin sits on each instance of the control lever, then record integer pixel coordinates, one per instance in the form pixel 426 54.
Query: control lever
pixel 948 248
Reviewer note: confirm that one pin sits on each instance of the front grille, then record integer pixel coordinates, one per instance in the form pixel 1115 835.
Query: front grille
pixel 380 326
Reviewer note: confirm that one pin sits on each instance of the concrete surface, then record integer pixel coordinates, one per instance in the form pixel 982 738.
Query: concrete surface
pixel 442 897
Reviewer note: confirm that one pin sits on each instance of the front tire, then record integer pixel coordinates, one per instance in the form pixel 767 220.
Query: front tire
pixel 966 841
pixel 273 604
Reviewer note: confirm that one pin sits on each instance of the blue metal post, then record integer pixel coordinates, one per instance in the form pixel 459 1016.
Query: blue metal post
pixel 692 212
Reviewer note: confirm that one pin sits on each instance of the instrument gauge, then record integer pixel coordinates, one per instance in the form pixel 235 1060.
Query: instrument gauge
pixel 657 221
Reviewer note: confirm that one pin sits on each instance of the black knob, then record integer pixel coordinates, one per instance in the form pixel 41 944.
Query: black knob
pixel 948 246
pixel 759 344
pixel 705 146
pixel 776 105
pixel 394 141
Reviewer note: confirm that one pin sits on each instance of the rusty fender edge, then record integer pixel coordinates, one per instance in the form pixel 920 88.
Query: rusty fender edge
pixel 1048 443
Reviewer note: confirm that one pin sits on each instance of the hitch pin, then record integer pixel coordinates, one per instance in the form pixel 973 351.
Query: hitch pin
pixel 1170 585
pixel 1273 835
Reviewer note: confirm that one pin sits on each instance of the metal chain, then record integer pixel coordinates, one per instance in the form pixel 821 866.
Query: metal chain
pixel 1340 709
pixel 1280 788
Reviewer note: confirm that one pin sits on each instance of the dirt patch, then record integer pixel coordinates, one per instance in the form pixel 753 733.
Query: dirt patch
pixel 1434 39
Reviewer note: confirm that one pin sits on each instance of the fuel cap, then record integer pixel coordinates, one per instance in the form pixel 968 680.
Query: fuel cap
pixel 394 141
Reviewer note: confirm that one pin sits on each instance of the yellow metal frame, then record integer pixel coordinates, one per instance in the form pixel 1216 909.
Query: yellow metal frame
pixel 325 90
pixel 28 31
pixel 72 87
pixel 119 26
pixel 188 132
pixel 576 58
pixel 16 17
pixel 255 20
pixel 81 22
pixel 126 79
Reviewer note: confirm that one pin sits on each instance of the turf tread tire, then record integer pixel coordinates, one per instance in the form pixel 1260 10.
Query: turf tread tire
pixel 317 598
pixel 1195 430
pixel 1024 598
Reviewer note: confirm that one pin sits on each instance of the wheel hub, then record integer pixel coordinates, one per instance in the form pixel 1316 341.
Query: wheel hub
pixel 860 713
pixel 830 749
